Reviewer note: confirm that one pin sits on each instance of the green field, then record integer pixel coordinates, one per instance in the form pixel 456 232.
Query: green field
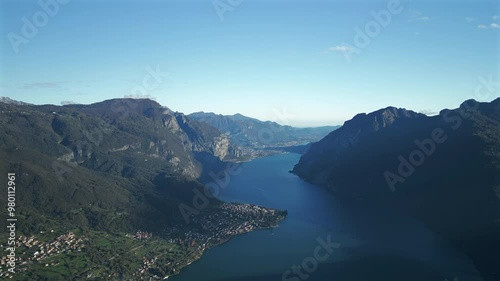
pixel 104 256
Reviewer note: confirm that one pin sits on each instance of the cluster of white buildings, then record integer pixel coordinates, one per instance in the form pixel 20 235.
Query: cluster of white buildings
pixel 146 265
pixel 37 250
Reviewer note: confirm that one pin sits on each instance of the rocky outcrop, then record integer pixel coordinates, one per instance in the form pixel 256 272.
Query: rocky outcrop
pixel 141 127
pixel 200 137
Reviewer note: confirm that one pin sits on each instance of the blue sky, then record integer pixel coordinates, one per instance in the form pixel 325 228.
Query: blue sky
pixel 275 60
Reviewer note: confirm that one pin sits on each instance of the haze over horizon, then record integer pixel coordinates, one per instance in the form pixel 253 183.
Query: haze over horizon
pixel 429 56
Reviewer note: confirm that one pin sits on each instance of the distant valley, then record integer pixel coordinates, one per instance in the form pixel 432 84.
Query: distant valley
pixel 258 138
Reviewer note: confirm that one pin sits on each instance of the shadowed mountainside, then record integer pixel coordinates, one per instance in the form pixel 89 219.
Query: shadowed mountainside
pixel 444 170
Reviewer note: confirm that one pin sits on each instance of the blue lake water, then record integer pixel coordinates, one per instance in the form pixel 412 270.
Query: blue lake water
pixel 375 243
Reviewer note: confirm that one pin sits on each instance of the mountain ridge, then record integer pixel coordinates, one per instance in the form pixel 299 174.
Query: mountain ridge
pixel 444 170
pixel 108 170
pixel 250 133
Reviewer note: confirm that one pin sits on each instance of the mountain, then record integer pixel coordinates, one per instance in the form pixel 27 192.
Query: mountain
pixel 11 101
pixel 248 132
pixel 322 157
pixel 110 169
pixel 95 154
pixel 443 170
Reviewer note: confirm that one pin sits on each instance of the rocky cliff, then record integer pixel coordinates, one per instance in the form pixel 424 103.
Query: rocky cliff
pixel 115 165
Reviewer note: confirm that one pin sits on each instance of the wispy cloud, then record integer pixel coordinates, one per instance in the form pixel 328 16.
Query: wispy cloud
pixel 418 16
pixel 139 97
pixel 41 85
pixel 428 112
pixel 66 102
pixel 470 19
pixel 339 48
pixel 491 26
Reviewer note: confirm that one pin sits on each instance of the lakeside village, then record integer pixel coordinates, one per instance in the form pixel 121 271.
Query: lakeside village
pixel 206 230
pixel 215 227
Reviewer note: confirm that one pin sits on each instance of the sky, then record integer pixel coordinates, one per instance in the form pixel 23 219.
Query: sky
pixel 302 63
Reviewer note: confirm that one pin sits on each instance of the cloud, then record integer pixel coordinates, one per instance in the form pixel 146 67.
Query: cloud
pixel 470 19
pixel 340 48
pixel 418 16
pixel 139 97
pixel 428 112
pixel 66 102
pixel 41 85
pixel 492 25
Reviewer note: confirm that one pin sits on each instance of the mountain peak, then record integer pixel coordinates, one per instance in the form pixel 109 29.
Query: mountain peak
pixel 131 102
pixel 119 106
pixel 241 117
pixel 202 113
pixel 8 100
pixel 361 127
pixel 468 103
pixel 382 117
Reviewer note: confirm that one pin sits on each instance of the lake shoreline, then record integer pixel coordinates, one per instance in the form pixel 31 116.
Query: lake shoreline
pixel 368 235
pixel 271 222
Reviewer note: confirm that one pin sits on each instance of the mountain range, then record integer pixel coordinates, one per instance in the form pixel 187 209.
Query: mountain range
pixel 246 132
pixel 105 157
pixel 118 166
pixel 443 170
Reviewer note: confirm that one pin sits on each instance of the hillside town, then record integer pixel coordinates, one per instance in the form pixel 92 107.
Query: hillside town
pixel 206 230
pixel 36 250
pixel 213 228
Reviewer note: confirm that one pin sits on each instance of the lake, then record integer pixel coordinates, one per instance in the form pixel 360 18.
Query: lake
pixel 373 242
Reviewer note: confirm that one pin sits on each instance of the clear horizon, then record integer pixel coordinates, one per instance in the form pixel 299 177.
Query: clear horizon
pixel 303 64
